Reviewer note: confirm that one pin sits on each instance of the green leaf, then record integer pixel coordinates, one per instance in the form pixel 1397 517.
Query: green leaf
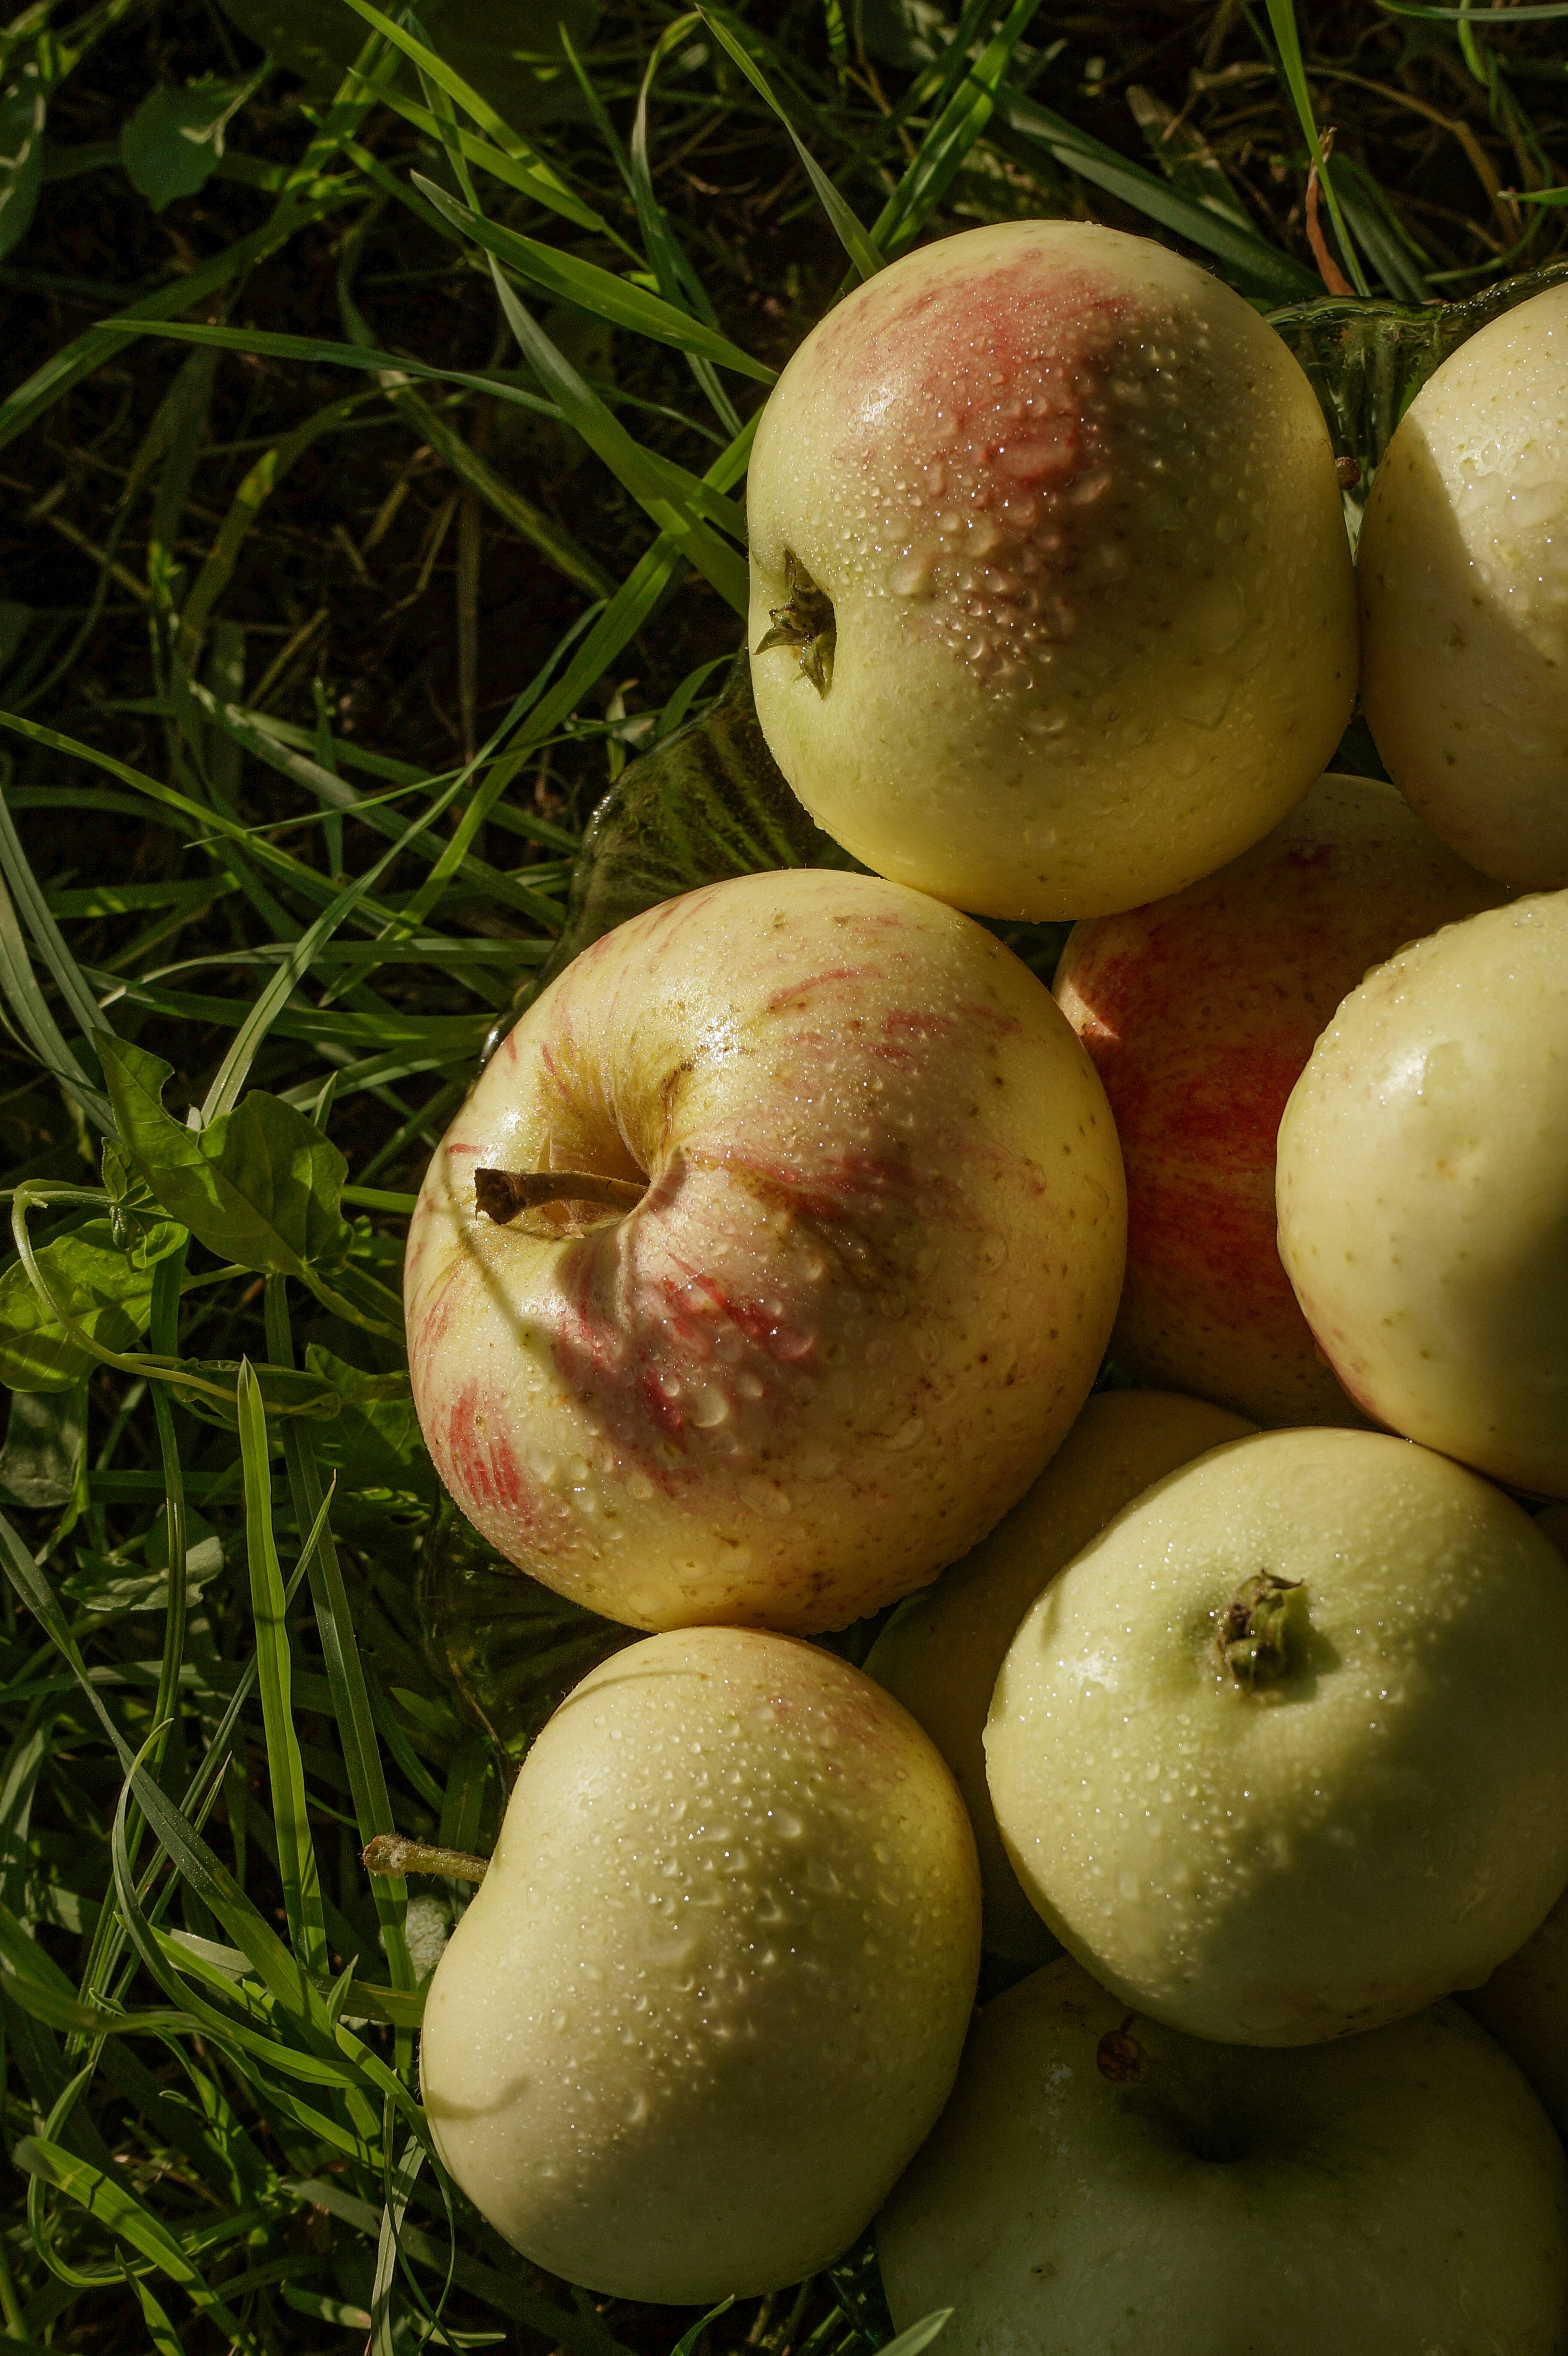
pixel 174 143
pixel 43 1448
pixel 709 800
pixel 107 1289
pixel 375 1442
pixel 22 115
pixel 260 1185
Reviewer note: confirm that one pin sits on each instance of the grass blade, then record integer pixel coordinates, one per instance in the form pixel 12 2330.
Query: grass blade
pixel 1282 17
pixel 950 138
pixel 665 491
pixel 1254 264
pixel 847 228
pixel 584 285
pixel 291 1813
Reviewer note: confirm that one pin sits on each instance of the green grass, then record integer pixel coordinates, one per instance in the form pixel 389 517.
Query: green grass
pixel 368 507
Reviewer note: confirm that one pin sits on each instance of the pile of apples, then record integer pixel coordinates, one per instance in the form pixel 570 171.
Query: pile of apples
pixel 767 1272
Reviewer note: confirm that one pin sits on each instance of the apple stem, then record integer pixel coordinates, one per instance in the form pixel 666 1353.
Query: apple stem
pixel 502 1194
pixel 1261 1631
pixel 390 1853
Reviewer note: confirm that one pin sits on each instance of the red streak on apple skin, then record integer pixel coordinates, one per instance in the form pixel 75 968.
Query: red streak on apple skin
pixel 476 1461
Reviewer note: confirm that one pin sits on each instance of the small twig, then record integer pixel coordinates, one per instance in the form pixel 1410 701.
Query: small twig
pixel 502 1194
pixel 390 1853
pixel 1328 270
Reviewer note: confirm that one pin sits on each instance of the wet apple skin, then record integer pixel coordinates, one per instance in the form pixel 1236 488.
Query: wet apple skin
pixel 1422 1190
pixel 1075 507
pixel 1199 1012
pixel 862 1301
pixel 1386 1825
pixel 940 1653
pixel 1392 2195
pixel 1463 576
pixel 734 1879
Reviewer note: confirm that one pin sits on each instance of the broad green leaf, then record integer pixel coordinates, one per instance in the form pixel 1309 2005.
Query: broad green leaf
pixel 43 1449
pixel 1367 360
pixel 106 1290
pixel 260 1185
pixel 173 143
pixel 375 1442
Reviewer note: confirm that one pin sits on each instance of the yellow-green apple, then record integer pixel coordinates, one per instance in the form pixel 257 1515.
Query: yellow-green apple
pixel 1284 1753
pixel 1423 1193
pixel 1199 1012
pixel 1052 605
pixel 941 1651
pixel 711 1993
pixel 1524 2005
pixel 1101 2186
pixel 1463 566
pixel 844 1246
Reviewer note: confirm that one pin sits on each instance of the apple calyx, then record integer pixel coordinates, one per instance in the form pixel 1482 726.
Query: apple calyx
pixel 391 1853
pixel 502 1194
pixel 1261 1631
pixel 806 623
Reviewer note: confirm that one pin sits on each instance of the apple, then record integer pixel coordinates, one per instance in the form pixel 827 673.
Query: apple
pixel 1105 2187
pixel 1423 1193
pixel 1524 2005
pixel 710 1995
pixel 1284 1753
pixel 1052 604
pixel 845 1241
pixel 1463 567
pixel 1199 1012
pixel 940 1653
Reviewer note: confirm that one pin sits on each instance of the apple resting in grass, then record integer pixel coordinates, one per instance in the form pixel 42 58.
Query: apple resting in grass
pixel 1423 1193
pixel 841 1246
pixel 941 1651
pixel 1199 1012
pixel 1052 605
pixel 711 1994
pixel 1463 568
pixel 1284 1753
pixel 1101 2186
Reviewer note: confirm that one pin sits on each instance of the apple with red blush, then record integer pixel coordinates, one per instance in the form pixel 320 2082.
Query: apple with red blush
pixel 770 1259
pixel 1199 1012
pixel 1052 607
